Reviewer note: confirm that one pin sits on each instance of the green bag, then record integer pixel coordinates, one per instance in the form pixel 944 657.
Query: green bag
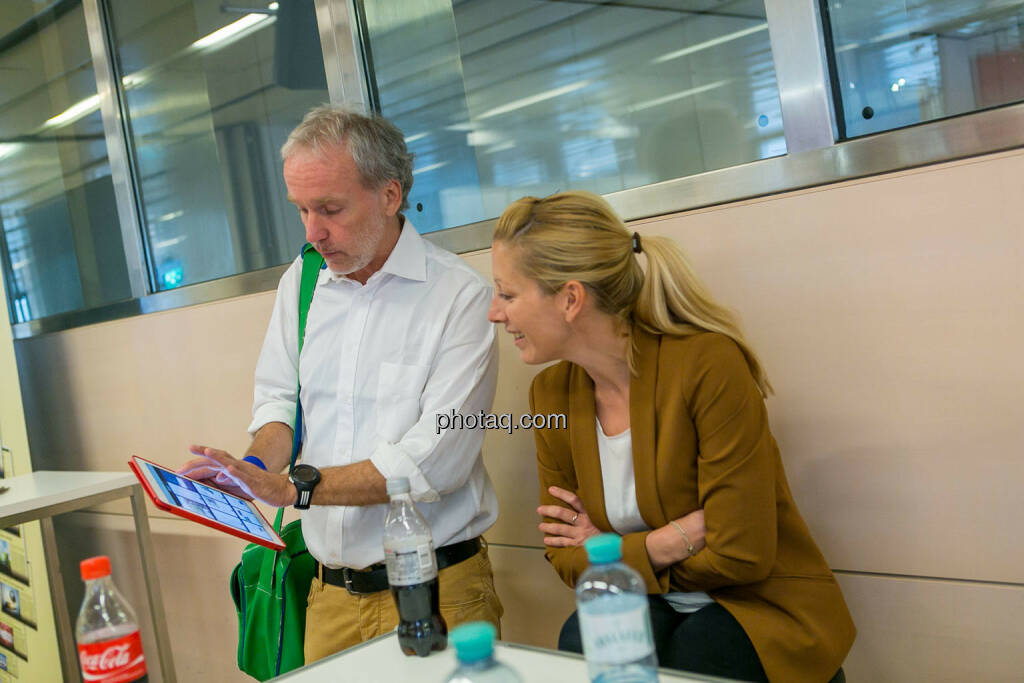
pixel 270 587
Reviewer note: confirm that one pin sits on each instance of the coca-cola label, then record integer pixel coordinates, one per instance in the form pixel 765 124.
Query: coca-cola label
pixel 113 661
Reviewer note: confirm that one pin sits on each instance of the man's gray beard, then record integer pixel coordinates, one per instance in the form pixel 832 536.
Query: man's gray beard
pixel 348 270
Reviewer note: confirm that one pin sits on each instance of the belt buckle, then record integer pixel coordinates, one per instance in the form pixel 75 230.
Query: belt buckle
pixel 346 574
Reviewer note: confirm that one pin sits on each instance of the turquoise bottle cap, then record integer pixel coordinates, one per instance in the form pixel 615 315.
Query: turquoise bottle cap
pixel 473 641
pixel 604 548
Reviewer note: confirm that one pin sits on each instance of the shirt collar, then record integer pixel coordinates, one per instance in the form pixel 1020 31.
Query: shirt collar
pixel 409 257
pixel 407 260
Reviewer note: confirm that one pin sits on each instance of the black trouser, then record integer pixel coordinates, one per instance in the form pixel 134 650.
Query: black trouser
pixel 709 641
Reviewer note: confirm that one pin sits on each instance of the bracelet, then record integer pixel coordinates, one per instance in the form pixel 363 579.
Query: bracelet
pixel 689 546
pixel 255 461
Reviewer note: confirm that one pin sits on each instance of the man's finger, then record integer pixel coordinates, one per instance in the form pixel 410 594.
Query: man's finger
pixel 221 457
pixel 201 472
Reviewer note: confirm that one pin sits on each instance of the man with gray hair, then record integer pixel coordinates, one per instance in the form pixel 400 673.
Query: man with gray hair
pixel 397 332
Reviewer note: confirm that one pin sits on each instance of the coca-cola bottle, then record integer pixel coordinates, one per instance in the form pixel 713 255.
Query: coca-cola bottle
pixel 109 646
pixel 412 574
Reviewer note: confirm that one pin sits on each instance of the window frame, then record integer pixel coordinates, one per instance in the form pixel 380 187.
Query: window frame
pixel 815 154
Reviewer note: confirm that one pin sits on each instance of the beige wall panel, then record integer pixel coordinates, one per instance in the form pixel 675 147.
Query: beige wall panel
pixel 939 631
pixel 536 601
pixel 889 316
pixel 148 385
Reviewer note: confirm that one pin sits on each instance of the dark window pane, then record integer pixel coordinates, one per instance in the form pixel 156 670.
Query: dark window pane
pixel 901 62
pixel 62 248
pixel 212 91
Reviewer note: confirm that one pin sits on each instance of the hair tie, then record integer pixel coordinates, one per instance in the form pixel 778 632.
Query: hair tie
pixel 637 246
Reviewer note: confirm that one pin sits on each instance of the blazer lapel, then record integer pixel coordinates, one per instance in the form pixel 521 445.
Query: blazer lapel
pixel 583 435
pixel 642 425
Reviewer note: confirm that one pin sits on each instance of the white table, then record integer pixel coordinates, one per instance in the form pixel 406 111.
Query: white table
pixel 40 496
pixel 380 660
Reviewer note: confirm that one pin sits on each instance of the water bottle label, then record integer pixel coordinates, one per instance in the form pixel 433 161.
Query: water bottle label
pixel 113 661
pixel 615 638
pixel 411 567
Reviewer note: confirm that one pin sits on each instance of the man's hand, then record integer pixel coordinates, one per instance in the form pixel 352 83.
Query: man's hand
pixel 219 469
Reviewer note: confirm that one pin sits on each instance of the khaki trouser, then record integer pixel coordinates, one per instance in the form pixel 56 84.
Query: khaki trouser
pixel 336 619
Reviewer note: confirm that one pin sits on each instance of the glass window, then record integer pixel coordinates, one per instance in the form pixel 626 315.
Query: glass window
pixel 901 62
pixel 212 90
pixel 504 98
pixel 62 248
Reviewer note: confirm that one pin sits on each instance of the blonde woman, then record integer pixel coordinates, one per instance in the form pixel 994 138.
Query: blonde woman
pixel 667 444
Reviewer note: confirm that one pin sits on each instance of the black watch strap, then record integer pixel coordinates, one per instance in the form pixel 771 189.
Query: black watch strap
pixel 305 478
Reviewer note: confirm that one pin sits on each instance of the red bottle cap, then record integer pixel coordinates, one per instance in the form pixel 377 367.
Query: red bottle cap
pixel 95 568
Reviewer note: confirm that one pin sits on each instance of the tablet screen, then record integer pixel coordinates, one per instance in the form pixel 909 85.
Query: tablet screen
pixel 205 501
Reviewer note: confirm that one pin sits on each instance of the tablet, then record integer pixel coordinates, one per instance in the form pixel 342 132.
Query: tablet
pixel 204 504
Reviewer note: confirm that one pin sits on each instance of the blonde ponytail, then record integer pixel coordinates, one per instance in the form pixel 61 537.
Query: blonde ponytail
pixel 674 301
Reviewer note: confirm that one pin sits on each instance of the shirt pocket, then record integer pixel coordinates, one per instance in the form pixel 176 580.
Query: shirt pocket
pixel 399 390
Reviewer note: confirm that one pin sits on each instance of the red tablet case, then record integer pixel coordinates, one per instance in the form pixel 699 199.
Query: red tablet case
pixel 274 544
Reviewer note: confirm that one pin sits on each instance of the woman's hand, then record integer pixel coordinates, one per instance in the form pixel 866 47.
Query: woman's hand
pixel 577 526
pixel 666 546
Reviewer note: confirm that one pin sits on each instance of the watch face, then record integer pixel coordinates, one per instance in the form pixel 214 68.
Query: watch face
pixel 305 474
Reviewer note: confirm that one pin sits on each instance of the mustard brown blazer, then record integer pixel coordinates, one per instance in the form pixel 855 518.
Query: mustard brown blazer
pixel 701 440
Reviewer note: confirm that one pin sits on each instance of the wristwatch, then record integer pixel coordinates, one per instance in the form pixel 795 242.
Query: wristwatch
pixel 305 478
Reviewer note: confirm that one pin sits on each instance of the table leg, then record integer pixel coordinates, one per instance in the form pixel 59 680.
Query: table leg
pixel 65 635
pixel 156 602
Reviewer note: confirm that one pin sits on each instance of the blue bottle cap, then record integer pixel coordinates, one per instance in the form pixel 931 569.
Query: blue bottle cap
pixel 473 641
pixel 604 548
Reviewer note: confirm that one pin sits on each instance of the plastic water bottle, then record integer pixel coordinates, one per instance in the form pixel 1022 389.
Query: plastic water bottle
pixel 109 646
pixel 474 649
pixel 611 600
pixel 412 574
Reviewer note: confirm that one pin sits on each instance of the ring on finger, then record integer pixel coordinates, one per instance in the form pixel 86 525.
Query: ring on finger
pixel 574 518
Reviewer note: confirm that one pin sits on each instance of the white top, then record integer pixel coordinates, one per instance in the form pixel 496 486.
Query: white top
pixel 616 453
pixel 379 361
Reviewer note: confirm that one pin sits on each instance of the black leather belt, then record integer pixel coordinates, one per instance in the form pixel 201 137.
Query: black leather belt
pixel 374 578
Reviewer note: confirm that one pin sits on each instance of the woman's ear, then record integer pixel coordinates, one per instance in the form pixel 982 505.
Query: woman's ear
pixel 573 296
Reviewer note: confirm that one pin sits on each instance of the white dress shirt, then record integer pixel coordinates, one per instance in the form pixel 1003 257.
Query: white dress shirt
pixel 379 361
pixel 617 473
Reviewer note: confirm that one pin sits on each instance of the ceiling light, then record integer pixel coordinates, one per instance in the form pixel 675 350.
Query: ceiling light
pixel 74 112
pixel 233 31
pixel 533 99
pixel 432 167
pixel 709 43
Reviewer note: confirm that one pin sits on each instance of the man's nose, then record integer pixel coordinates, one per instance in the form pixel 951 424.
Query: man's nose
pixel 315 228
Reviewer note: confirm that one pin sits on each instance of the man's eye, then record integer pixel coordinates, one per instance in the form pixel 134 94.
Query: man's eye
pixel 330 210
pixel 506 297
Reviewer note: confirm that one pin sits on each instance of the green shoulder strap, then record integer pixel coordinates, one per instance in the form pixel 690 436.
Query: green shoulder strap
pixel 312 262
